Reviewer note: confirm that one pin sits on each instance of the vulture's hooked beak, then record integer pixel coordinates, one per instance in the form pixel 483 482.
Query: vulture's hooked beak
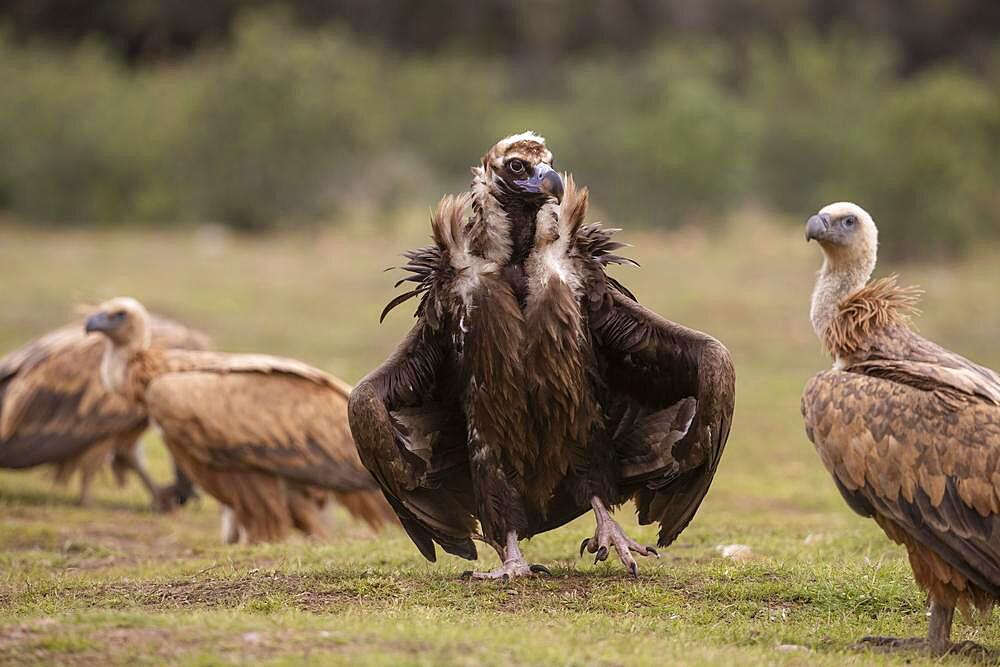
pixel 817 226
pixel 544 180
pixel 100 322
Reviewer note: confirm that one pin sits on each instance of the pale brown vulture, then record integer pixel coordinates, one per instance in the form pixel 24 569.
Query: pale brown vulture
pixel 267 437
pixel 909 431
pixel 533 387
pixel 55 410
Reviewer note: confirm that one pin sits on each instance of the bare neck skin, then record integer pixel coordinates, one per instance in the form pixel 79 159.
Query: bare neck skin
pixel 843 273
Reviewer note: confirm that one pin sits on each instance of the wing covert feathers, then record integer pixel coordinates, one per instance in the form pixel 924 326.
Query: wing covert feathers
pixel 424 476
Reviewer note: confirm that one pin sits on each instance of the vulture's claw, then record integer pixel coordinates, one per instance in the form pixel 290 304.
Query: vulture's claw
pixel 609 534
pixel 540 569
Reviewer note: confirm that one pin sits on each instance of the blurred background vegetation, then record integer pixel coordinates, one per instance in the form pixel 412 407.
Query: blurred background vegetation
pixel 260 114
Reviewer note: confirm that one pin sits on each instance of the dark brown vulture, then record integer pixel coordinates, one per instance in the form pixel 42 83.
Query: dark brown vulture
pixel 909 431
pixel 267 437
pixel 55 410
pixel 533 387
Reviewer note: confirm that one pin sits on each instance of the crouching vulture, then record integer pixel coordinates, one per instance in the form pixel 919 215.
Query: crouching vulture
pixel 533 387
pixel 909 431
pixel 55 410
pixel 265 436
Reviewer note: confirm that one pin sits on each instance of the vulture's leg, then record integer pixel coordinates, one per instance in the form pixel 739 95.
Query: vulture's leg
pixel 130 458
pixel 230 528
pixel 609 534
pixel 86 479
pixel 938 640
pixel 513 563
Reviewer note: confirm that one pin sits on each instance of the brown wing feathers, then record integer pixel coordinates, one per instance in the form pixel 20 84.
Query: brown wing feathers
pixel 250 426
pixel 53 405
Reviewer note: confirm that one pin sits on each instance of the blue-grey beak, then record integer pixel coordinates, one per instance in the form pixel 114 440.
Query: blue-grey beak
pixel 544 180
pixel 817 226
pixel 99 322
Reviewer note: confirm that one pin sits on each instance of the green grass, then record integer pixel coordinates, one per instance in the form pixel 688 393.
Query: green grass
pixel 115 584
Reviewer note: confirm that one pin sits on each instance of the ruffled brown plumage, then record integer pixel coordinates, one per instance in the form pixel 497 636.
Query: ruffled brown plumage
pixel 878 306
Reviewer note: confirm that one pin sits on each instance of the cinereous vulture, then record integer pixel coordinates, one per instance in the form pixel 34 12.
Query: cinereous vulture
pixel 533 387
pixel 909 431
pixel 265 436
pixel 55 410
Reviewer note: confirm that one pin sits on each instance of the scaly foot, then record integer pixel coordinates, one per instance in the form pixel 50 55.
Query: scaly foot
pixel 509 570
pixel 609 534
pixel 514 563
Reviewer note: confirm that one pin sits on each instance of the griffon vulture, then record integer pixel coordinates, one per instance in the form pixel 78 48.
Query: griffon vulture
pixel 55 410
pixel 267 437
pixel 533 387
pixel 909 431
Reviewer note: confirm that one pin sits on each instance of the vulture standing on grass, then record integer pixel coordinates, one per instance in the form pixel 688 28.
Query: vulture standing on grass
pixel 909 431
pixel 55 410
pixel 533 387
pixel 267 437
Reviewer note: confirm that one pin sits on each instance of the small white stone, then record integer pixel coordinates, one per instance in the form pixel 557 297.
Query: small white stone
pixel 251 637
pixel 738 552
pixel 814 538
pixel 790 648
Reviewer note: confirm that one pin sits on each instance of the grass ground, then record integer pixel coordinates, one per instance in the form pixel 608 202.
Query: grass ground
pixel 115 584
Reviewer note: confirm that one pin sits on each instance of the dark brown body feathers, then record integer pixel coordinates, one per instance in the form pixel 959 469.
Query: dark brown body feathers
pixel 540 382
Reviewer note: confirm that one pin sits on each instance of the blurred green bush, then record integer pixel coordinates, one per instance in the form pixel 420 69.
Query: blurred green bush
pixel 286 127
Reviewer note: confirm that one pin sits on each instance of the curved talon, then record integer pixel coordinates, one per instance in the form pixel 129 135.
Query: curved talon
pixel 602 554
pixel 650 551
pixel 505 578
pixel 583 545
pixel 540 569
pixel 467 574
pixel 634 569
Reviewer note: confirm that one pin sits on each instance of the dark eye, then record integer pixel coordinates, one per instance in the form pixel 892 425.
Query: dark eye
pixel 516 166
pixel 118 316
pixel 849 221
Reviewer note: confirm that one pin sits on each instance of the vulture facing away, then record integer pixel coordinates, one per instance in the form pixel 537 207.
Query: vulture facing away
pixel 265 436
pixel 909 431
pixel 533 387
pixel 54 409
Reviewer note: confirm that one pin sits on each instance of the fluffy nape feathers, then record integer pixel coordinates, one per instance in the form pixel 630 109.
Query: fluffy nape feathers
pixel 880 305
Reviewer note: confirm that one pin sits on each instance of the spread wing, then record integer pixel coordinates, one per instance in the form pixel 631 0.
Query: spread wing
pixel 905 444
pixel 245 414
pixel 52 401
pixel 413 440
pixel 670 395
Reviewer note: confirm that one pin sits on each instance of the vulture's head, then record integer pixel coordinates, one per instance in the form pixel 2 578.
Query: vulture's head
pixel 511 185
pixel 518 170
pixel 124 321
pixel 847 234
